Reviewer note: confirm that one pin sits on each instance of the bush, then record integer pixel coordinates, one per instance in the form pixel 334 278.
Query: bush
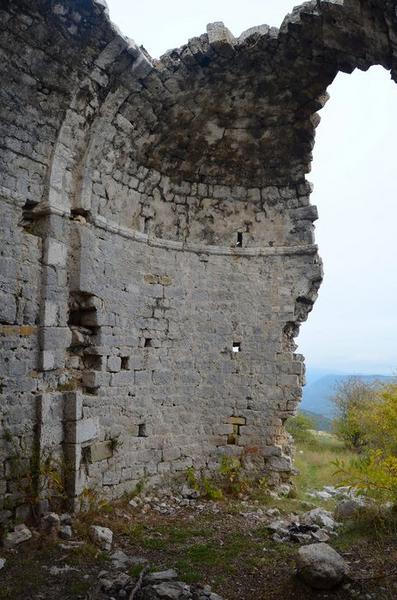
pixel 374 470
pixel 300 428
pixel 352 399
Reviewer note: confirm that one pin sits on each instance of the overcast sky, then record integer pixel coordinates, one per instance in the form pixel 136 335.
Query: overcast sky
pixel 353 327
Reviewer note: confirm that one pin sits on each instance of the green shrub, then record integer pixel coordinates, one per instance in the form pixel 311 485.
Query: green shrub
pixel 300 428
pixel 374 470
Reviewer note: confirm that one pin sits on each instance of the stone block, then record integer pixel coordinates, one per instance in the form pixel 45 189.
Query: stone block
pixel 237 420
pixel 73 406
pixel 55 253
pixel 114 364
pixel 83 432
pixel 47 360
pixel 50 314
pixel 100 451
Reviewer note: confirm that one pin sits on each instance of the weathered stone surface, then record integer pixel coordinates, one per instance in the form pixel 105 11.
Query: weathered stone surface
pixel 102 536
pixel 320 566
pixel 119 559
pixel 50 522
pixel 65 532
pixel 173 590
pixel 158 576
pixel 157 241
pixel 20 534
pixel 320 517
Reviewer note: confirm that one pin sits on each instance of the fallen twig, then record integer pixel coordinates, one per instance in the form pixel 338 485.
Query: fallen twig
pixel 138 583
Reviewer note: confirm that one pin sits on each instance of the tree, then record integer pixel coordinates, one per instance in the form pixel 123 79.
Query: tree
pixel 352 399
pixel 299 427
pixel 374 471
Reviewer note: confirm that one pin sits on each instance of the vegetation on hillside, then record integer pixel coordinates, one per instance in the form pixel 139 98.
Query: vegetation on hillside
pixel 367 422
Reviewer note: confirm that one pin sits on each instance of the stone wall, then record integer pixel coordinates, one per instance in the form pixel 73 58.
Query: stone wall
pixel 157 249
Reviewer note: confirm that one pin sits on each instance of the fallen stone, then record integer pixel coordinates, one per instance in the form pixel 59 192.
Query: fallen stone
pixel 321 495
pixel 119 559
pixel 122 581
pixel 102 536
pixel 273 512
pixel 71 545
pixel 189 493
pixel 320 517
pixel 169 590
pixel 106 584
pixel 347 509
pixel 138 560
pixel 50 522
pixel 301 538
pixel 276 537
pixel 55 571
pixel 65 532
pixel 320 535
pixel 20 534
pixel 320 566
pixel 66 519
pixel 159 576
pixel 280 527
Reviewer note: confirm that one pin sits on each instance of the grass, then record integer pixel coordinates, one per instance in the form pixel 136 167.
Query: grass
pixel 315 463
pixel 234 554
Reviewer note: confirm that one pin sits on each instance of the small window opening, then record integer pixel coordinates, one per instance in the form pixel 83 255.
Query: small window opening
pixel 239 242
pixel 125 363
pixel 142 430
pixel 146 224
pixel 237 423
pixel 232 438
pixel 236 347
pixel 148 343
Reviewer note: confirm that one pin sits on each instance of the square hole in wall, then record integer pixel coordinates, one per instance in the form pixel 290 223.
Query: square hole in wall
pixel 148 343
pixel 92 362
pixel 125 363
pixel 239 242
pixel 236 347
pixel 142 430
pixel 232 439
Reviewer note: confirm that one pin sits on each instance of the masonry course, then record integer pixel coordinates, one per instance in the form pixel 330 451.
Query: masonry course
pixel 157 244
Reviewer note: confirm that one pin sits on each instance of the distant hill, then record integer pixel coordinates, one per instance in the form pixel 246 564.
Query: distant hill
pixel 317 393
pixel 321 423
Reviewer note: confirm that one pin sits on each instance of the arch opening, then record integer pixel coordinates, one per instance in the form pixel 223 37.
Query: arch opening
pixel 353 327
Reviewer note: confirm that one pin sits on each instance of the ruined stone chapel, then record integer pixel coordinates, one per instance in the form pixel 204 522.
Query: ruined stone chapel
pixel 157 253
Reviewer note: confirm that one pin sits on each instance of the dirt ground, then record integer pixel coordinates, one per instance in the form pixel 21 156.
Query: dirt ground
pixel 218 545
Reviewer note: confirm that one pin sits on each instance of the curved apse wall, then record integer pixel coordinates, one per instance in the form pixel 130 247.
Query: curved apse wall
pixel 158 237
